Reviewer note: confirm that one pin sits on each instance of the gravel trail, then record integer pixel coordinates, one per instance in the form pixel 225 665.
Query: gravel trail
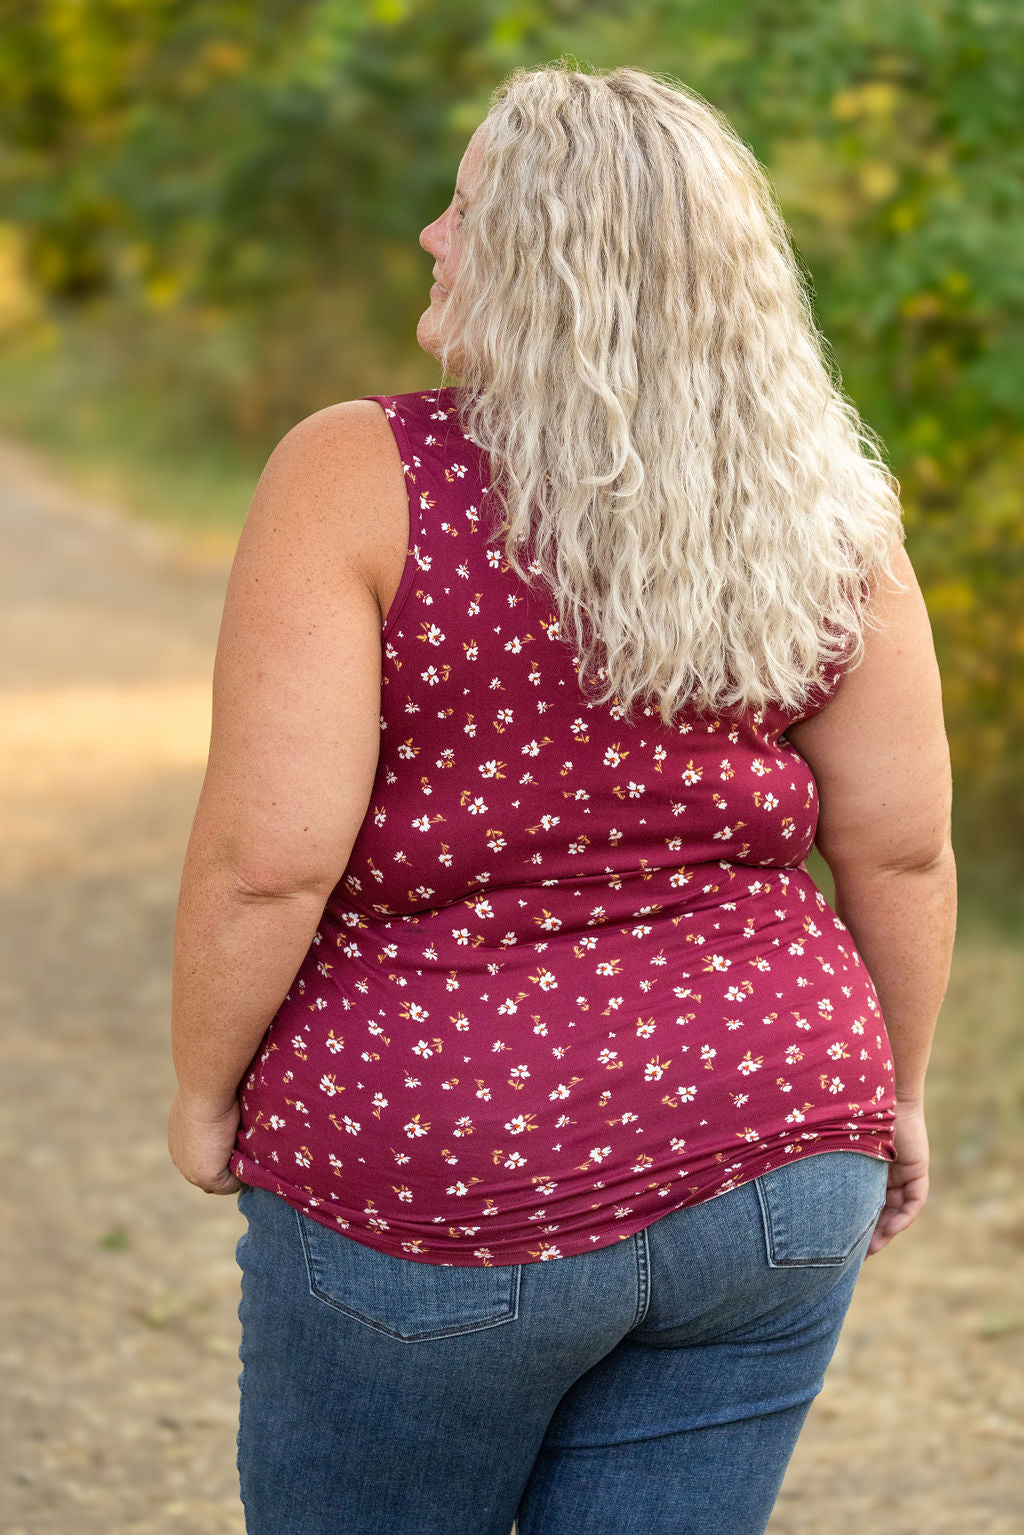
pixel 118 1286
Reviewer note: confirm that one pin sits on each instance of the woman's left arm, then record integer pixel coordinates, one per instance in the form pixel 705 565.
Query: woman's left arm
pixel 293 754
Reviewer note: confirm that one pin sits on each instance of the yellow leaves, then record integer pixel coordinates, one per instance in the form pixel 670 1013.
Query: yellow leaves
pixel 874 99
pixel 954 596
pixel 805 177
pixel 389 13
pixel 957 284
pixel 223 56
pixel 162 290
pixel 928 473
pixel 903 216
pixel 878 179
pixel 19 302
pixel 930 305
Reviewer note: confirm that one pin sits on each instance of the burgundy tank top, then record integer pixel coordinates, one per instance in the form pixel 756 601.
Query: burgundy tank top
pixel 575 975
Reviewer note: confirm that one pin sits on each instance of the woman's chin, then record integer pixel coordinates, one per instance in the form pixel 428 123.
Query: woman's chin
pixel 426 332
pixel 429 340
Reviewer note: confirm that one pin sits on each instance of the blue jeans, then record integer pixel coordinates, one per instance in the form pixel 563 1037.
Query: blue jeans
pixel 653 1387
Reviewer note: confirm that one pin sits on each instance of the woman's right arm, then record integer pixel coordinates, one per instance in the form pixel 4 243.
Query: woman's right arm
pixel 880 758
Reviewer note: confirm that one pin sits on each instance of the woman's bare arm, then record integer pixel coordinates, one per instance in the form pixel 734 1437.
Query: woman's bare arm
pixel 294 743
pixel 880 758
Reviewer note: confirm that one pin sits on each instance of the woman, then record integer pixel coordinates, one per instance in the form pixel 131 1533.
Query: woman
pixel 563 1107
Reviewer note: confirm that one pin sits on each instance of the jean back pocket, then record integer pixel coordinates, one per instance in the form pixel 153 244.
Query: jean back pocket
pixel 408 1300
pixel 817 1209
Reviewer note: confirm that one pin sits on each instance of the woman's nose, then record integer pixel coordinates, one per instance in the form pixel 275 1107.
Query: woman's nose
pixel 432 238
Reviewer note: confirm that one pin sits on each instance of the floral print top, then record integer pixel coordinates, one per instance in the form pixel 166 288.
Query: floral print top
pixel 575 975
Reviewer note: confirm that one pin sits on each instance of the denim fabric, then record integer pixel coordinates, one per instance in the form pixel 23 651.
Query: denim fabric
pixel 656 1386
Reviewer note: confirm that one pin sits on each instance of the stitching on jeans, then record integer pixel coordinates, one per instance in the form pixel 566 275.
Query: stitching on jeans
pixel 428 1336
pixel 643 1275
pixel 775 1234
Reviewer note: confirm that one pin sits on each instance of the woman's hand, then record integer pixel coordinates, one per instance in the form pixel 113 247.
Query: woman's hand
pixel 200 1139
pixel 908 1176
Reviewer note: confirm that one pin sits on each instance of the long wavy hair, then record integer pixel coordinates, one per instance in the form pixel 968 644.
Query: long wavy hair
pixel 637 354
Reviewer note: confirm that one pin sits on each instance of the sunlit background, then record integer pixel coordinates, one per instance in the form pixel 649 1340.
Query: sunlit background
pixel 208 229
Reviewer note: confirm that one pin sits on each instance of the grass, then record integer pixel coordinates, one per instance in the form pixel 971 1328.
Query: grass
pixel 152 462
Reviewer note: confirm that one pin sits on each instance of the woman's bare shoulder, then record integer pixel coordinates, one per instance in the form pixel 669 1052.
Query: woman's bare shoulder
pixel 338 444
pixel 337 477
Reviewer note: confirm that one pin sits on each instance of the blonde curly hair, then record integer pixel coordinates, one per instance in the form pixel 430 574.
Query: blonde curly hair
pixel 638 355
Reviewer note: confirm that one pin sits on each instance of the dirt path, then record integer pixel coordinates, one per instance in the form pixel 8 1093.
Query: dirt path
pixel 118 1291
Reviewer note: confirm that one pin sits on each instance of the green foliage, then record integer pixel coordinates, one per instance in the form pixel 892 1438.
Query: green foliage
pixel 231 195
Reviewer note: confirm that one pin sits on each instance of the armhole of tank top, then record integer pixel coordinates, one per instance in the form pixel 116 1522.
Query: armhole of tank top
pixel 825 689
pixel 415 515
pixel 822 694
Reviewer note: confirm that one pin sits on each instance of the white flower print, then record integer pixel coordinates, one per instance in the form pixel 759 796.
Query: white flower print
pixel 545 980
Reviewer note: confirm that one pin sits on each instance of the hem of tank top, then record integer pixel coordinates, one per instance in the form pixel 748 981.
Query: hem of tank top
pixel 416 526
pixel 302 1208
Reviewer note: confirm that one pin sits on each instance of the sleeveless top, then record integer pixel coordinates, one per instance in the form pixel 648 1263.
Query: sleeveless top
pixel 575 975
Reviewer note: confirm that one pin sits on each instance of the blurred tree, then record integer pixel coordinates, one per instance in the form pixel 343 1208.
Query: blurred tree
pixel 231 194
